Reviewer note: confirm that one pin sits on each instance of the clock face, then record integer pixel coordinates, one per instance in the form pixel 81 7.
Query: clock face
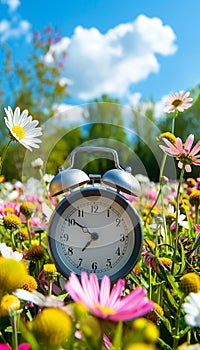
pixel 95 230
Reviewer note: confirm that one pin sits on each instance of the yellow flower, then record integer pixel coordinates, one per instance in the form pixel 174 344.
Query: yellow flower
pixel 137 270
pixel 51 327
pixel 194 197
pixel 23 232
pixel 191 182
pixel 149 243
pixel 27 208
pixel 29 283
pixel 12 274
pixel 8 302
pixel 166 262
pixel 49 268
pixel 154 314
pixel 149 330
pixel 190 282
pixel 8 210
pixel 2 178
pixel 11 222
pixel 35 253
pixel 170 217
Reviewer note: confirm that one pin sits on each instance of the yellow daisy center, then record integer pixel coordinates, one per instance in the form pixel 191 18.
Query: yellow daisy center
pixel 105 310
pixel 177 102
pixel 19 131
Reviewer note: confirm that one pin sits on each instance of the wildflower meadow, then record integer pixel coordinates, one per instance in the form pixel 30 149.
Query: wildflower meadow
pixel 156 306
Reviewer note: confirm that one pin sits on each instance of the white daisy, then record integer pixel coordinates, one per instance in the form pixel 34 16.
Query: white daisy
pixel 39 299
pixel 22 128
pixel 7 252
pixel 192 309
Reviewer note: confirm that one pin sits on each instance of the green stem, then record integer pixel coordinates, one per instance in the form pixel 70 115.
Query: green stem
pixel 14 333
pixel 197 213
pixel 45 189
pixel 150 284
pixel 28 229
pixel 13 239
pixel 153 205
pixel 50 284
pixel 177 215
pixel 177 324
pixel 4 155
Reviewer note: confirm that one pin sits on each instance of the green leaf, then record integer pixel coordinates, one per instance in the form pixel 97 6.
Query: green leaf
pixel 164 345
pixel 117 341
pixel 170 298
pixel 182 267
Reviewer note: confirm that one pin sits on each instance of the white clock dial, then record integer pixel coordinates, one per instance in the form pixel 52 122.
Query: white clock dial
pixel 95 230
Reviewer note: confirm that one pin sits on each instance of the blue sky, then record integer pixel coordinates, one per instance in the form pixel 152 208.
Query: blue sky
pixel 130 49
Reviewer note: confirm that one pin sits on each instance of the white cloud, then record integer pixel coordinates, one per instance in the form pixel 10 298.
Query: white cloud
pixel 64 112
pixel 12 4
pixel 14 29
pixel 110 63
pixel 135 100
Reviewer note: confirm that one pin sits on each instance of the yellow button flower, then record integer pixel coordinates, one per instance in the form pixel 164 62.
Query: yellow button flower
pixel 8 302
pixel 12 274
pixel 51 327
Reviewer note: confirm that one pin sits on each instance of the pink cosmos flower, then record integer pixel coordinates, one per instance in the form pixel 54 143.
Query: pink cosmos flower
pixel 179 101
pixel 186 155
pixel 105 303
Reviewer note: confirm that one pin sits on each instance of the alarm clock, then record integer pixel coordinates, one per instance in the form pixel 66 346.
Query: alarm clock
pixel 95 228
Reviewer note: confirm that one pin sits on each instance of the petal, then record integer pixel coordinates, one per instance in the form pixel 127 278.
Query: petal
pixel 169 151
pixel 188 168
pixel 188 143
pixel 116 292
pixel 16 116
pixel 195 149
pixel 179 145
pixel 95 286
pixel 105 291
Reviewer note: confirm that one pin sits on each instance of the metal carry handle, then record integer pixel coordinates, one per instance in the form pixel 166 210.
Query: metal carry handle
pixel 94 149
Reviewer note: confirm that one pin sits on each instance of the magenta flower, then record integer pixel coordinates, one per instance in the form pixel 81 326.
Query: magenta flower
pixel 105 303
pixel 179 101
pixel 24 346
pixel 186 155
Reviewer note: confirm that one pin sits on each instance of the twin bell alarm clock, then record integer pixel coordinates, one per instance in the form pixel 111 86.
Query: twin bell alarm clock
pixel 95 228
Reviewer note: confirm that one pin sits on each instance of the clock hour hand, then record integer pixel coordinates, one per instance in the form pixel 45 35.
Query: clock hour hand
pixel 94 237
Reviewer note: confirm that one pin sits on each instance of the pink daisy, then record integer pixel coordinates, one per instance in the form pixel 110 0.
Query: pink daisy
pixel 186 155
pixel 179 101
pixel 104 302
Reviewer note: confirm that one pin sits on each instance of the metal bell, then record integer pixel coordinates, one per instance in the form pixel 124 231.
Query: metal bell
pixel 67 179
pixel 122 180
